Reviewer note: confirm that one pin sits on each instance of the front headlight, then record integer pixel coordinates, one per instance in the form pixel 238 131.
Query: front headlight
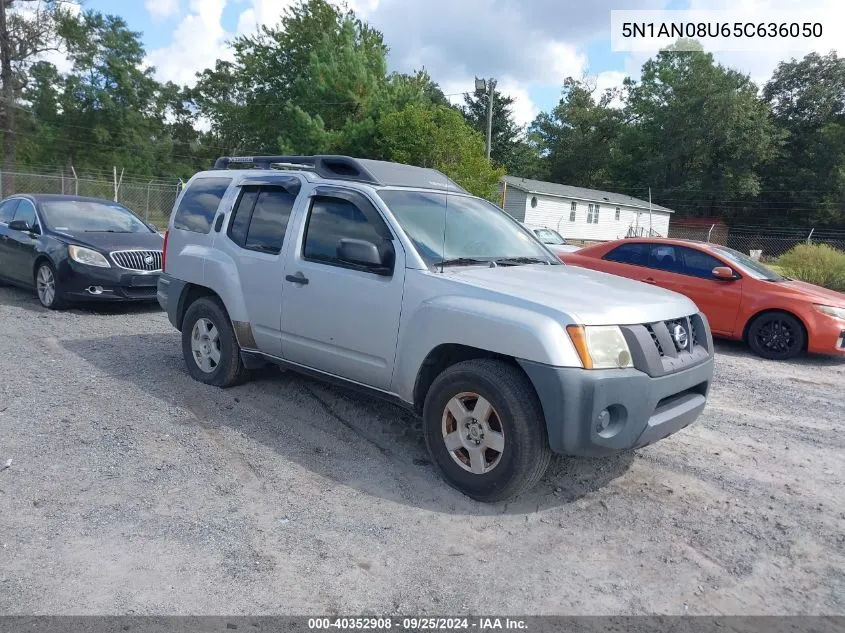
pixel 837 313
pixel 600 346
pixel 87 256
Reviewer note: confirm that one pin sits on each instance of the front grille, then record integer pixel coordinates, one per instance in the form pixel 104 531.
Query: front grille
pixel 138 260
pixel 655 339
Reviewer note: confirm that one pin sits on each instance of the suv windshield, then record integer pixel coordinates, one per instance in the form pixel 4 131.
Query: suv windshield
pixel 747 265
pixel 91 216
pixel 548 236
pixel 461 229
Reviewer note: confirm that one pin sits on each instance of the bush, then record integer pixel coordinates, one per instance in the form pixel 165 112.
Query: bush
pixel 818 264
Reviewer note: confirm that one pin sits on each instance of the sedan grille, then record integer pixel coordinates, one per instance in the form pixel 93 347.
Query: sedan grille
pixel 146 261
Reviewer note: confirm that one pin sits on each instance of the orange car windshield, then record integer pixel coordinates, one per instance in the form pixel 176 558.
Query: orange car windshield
pixel 747 265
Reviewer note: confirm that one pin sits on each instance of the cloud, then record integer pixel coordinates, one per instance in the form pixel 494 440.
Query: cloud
pixel 160 9
pixel 197 42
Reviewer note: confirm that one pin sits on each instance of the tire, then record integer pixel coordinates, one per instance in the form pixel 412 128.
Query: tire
pixel 207 330
pixel 777 336
pixel 515 423
pixel 47 286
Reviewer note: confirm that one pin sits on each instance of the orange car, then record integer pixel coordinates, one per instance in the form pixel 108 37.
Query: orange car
pixel 744 300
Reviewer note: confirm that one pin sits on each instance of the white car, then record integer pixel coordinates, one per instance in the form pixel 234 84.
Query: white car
pixel 552 239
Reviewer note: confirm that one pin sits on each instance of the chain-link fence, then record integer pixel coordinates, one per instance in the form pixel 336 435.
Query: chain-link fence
pixel 764 243
pixel 152 201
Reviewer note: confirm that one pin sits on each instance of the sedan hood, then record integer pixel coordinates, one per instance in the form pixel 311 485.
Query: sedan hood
pixel 587 296
pixel 115 241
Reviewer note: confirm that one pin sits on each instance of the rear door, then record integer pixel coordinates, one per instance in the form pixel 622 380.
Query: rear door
pixel 7 212
pixel 255 241
pixel 21 247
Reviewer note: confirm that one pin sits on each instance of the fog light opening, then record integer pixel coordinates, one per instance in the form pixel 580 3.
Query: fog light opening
pixel 95 290
pixel 610 421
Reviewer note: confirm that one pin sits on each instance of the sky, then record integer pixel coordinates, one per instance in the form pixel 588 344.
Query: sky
pixel 529 46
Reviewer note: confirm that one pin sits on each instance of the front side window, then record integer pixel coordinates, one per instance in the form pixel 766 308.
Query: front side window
pixel 665 257
pixel 445 228
pixel 7 210
pixel 635 254
pixel 332 220
pixel 199 203
pixel 25 213
pixel 90 216
pixel 698 264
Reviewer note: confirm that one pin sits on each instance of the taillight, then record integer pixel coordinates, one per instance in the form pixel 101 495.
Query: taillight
pixel 164 253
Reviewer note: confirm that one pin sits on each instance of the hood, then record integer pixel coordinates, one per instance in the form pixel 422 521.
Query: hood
pixel 810 292
pixel 561 248
pixel 589 297
pixel 115 241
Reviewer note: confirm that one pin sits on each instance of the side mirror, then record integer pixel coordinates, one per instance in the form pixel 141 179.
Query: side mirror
pixel 21 225
pixel 724 273
pixel 367 255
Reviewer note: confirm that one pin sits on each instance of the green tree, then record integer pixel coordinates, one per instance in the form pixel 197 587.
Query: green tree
pixel 807 99
pixel 698 133
pixel 580 136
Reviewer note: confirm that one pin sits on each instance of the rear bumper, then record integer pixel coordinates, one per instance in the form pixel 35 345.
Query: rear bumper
pixel 169 295
pixel 91 283
pixel 640 410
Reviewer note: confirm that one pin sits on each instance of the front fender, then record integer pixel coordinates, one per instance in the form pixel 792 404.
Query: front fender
pixel 474 322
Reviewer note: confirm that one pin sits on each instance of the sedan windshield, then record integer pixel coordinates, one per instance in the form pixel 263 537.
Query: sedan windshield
pixel 747 265
pixel 457 229
pixel 548 236
pixel 89 216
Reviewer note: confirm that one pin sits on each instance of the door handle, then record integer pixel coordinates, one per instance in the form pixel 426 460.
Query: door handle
pixel 298 278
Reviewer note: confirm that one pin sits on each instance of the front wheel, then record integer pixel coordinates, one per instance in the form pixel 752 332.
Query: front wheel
pixel 47 286
pixel 209 345
pixel 776 336
pixel 485 430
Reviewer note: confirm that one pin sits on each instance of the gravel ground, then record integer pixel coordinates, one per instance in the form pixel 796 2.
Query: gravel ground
pixel 134 489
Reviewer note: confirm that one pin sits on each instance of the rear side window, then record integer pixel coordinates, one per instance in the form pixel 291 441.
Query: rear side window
pixel 7 210
pixel 261 218
pixel 199 204
pixel 634 254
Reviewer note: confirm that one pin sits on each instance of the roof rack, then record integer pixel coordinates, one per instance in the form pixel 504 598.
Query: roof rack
pixel 374 172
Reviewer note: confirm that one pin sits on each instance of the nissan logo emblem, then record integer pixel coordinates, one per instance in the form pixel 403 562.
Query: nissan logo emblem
pixel 679 333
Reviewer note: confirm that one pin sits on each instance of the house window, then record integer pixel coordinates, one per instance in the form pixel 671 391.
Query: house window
pixel 596 215
pixel 617 214
pixel 589 214
pixel 572 215
pixel 533 201
pixel 573 206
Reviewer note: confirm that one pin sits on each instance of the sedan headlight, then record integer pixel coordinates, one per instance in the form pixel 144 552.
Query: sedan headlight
pixel 87 256
pixel 837 313
pixel 600 346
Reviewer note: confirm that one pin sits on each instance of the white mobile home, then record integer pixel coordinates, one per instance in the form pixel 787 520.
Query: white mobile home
pixel 581 214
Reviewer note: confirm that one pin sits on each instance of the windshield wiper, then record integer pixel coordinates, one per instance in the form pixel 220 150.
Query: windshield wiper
pixel 461 261
pixel 515 261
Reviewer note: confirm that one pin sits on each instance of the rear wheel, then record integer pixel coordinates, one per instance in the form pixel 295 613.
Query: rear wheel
pixel 485 429
pixel 209 345
pixel 47 286
pixel 777 336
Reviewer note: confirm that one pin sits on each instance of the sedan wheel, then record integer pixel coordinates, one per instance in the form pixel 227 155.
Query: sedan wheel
pixel 776 336
pixel 47 287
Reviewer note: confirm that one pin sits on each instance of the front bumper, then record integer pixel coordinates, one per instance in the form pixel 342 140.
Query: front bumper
pixel 827 336
pixel 91 283
pixel 641 409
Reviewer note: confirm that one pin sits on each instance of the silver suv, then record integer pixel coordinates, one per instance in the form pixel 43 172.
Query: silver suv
pixel 394 280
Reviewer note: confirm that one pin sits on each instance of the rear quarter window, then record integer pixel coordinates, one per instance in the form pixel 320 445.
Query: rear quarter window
pixel 199 203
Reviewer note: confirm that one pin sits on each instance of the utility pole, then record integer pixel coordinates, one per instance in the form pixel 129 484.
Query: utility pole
pixel 7 80
pixel 488 86
pixel 649 211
